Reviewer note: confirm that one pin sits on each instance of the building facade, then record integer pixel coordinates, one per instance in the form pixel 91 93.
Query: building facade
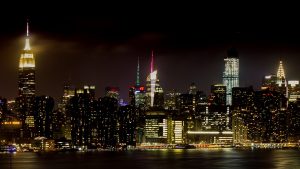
pixel 231 73
pixel 155 93
pixel 26 89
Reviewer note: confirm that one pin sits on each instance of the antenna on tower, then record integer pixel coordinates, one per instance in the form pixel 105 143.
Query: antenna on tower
pixel 27 30
pixel 27 44
pixel 152 62
pixel 138 72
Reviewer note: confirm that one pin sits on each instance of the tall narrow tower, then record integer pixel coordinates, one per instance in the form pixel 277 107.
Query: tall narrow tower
pixel 151 81
pixel 231 73
pixel 26 83
pixel 280 75
pixel 26 89
pixel 281 80
pixel 138 73
pixel 137 92
pixel 154 91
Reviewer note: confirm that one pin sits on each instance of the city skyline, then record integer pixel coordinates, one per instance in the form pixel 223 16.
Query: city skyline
pixel 149 85
pixel 57 52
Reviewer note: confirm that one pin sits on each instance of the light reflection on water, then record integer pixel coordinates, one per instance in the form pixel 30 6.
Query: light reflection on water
pixel 152 159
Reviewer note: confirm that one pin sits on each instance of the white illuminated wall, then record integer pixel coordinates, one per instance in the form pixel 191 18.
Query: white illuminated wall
pixel 231 77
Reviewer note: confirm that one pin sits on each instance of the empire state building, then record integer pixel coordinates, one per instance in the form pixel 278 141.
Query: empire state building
pixel 26 83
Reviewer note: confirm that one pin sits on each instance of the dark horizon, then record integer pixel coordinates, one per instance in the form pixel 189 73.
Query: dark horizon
pixel 103 51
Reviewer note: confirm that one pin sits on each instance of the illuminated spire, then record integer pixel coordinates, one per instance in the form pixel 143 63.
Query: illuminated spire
pixel 280 72
pixel 27 29
pixel 138 73
pixel 27 44
pixel 152 63
pixel 27 58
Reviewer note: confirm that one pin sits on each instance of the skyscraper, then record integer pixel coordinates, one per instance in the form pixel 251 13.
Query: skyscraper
pixel 281 80
pixel 26 89
pixel 62 121
pixel 153 87
pixel 218 92
pixel 231 73
pixel 294 90
pixel 27 70
pixel 276 82
pixel 127 125
pixel 108 122
pixel 245 120
pixel 137 93
pixel 82 115
pixel 43 114
pixel 280 74
pixel 273 115
pixel 172 100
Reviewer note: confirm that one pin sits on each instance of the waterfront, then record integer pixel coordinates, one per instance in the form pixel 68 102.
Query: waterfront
pixel 152 159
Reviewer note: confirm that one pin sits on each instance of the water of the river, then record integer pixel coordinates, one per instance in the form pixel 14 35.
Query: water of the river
pixel 156 159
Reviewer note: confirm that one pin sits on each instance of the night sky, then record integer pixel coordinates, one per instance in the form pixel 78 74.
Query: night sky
pixel 189 46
